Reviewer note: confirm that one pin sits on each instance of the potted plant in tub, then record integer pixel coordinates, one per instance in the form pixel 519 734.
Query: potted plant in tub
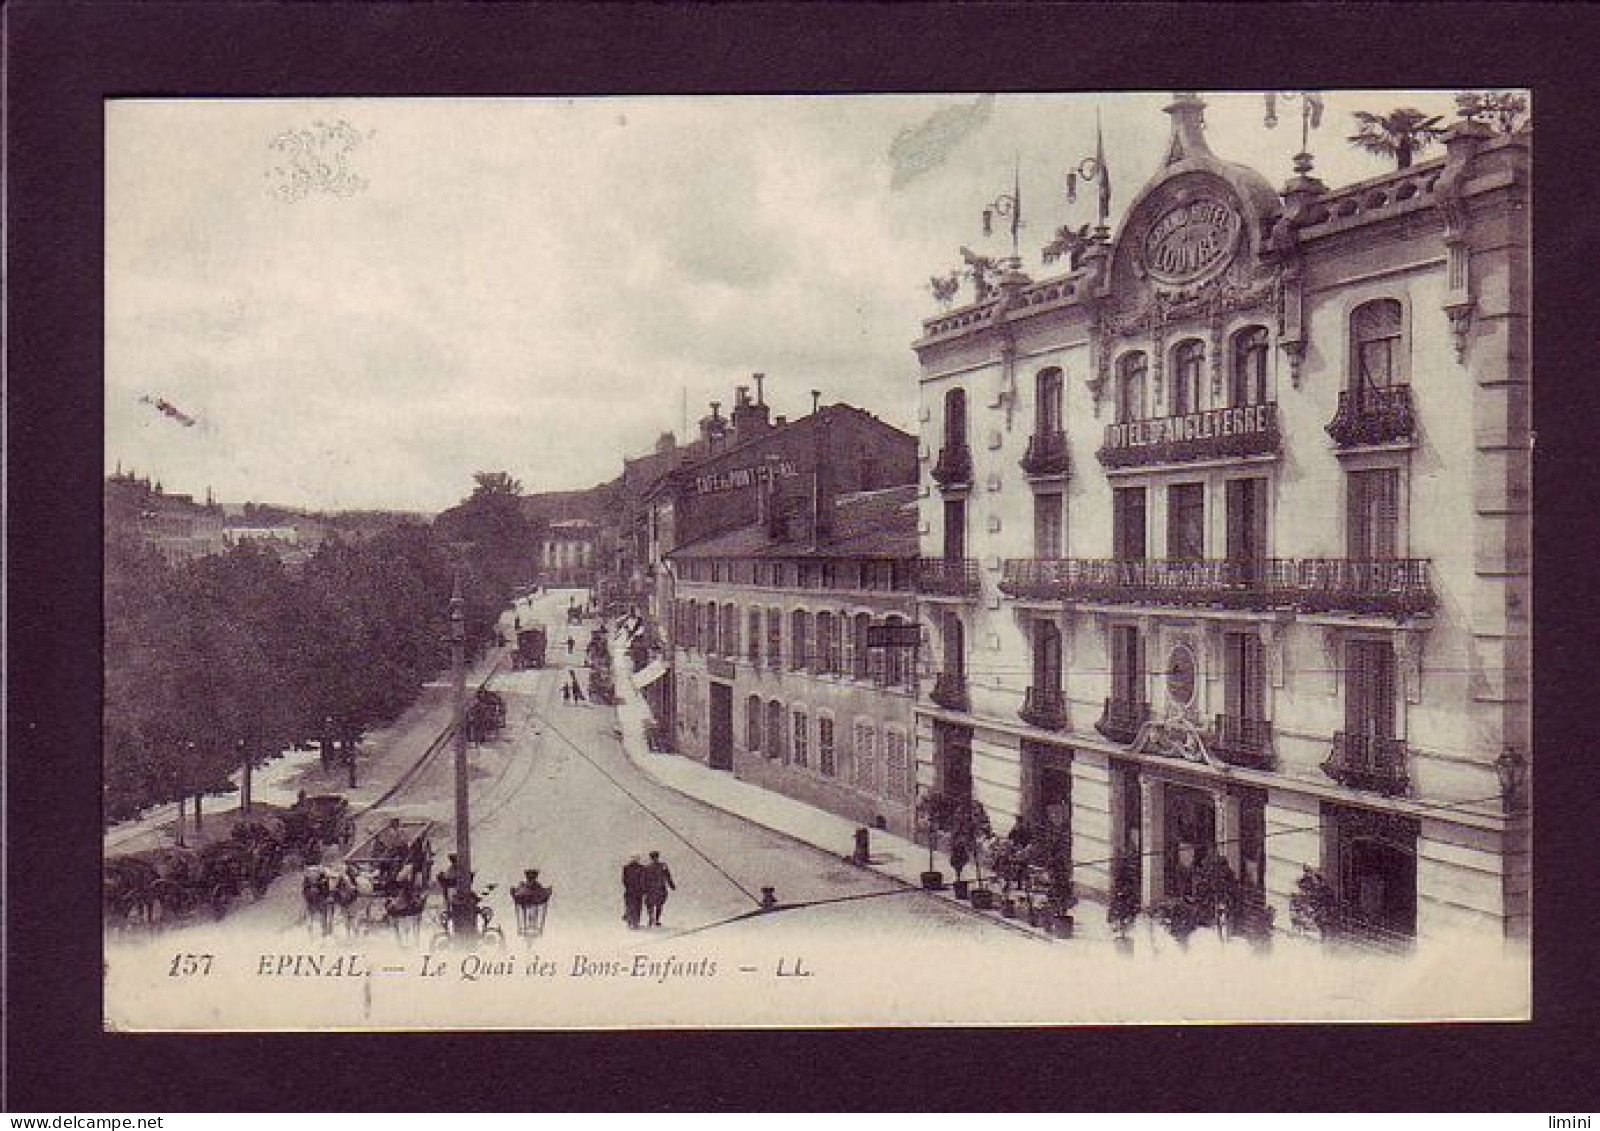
pixel 969 831
pixel 1054 853
pixel 933 816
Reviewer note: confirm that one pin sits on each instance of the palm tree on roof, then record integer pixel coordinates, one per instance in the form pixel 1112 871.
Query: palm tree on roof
pixel 1400 134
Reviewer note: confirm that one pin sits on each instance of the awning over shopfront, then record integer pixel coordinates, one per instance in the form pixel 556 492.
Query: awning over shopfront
pixel 648 674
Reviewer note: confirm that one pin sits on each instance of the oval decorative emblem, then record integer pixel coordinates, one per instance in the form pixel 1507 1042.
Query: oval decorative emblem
pixel 1181 675
pixel 1191 240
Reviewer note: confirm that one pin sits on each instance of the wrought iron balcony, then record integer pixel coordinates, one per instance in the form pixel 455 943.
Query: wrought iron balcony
pixel 1044 707
pixel 947 577
pixel 1369 761
pixel 1217 433
pixel 1243 742
pixel 1121 719
pixel 1373 416
pixel 950 691
pixel 1046 454
pixel 954 468
pixel 1248 583
pixel 1383 587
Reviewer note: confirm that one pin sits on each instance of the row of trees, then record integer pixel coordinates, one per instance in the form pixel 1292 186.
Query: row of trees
pixel 226 660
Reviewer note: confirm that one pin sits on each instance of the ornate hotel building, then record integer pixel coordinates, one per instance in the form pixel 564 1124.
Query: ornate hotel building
pixel 1226 537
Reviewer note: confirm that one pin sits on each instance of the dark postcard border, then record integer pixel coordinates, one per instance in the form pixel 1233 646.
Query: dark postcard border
pixel 65 58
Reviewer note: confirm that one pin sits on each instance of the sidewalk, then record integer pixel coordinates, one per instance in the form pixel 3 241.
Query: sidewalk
pixel 893 857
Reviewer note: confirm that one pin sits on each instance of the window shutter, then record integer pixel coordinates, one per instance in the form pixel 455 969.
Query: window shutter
pixel 1357 526
pixel 1387 517
pixel 1383 681
pixel 1252 706
pixel 1357 689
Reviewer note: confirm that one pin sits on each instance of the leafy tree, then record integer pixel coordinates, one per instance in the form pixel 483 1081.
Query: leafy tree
pixel 1400 134
pixel 1506 110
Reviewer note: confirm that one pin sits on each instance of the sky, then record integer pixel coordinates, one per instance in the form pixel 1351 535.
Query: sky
pixel 536 285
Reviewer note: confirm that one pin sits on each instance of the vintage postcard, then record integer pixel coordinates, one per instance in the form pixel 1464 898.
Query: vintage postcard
pixel 687 561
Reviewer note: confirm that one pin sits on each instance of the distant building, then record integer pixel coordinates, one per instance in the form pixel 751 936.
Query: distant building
pixel 175 526
pixel 568 553
pixel 775 678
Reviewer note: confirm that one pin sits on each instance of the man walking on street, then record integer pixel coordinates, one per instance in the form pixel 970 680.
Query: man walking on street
pixel 657 882
pixel 633 879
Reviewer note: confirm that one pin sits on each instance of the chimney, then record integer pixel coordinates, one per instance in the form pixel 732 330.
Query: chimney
pixel 760 379
pixel 713 428
pixel 821 482
pixel 749 417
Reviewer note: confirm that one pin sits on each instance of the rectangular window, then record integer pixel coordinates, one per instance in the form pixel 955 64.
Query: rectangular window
pixel 802 740
pixel 752 723
pixel 775 638
pixel 955 529
pixel 897 784
pixel 1374 514
pixel 775 743
pixel 825 756
pixel 1247 520
pixel 1243 670
pixel 1047 525
pixel 754 629
pixel 866 758
pixel 1127 665
pixel 1127 523
pixel 1186 522
pixel 1369 697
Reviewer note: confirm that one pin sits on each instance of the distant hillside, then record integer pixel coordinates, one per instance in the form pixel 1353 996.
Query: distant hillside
pixel 597 504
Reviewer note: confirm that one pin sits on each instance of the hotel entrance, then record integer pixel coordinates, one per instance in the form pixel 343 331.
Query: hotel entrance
pixel 1190 836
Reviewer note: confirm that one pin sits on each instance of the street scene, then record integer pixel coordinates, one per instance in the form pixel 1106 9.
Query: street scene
pixel 886 560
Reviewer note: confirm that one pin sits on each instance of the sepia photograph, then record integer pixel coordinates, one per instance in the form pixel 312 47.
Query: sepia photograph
pixel 833 560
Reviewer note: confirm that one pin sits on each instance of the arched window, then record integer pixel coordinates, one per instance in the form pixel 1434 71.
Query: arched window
pixel 863 655
pixel 799 640
pixel 1377 356
pixel 1247 381
pixel 754 630
pixel 895 669
pixel 955 418
pixel 1131 370
pixel 775 743
pixel 1188 359
pixel 709 643
pixel 1047 402
pixel 752 724
pixel 802 738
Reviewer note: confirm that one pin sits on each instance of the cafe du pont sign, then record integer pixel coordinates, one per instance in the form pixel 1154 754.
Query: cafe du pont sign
pixel 1191 240
pixel 718 481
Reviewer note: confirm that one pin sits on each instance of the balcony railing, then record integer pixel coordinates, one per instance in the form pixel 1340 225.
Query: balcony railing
pixel 1391 587
pixel 1384 587
pixel 1243 742
pixel 954 468
pixel 950 691
pixel 947 577
pixel 1373 416
pixel 1217 433
pixel 1121 719
pixel 1044 707
pixel 1368 761
pixel 1046 454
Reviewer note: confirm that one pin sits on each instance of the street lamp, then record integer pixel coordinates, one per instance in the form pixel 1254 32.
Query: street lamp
pixel 1310 119
pixel 1512 768
pixel 1010 205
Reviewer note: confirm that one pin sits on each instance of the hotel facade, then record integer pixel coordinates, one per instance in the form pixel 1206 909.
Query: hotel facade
pixel 1226 538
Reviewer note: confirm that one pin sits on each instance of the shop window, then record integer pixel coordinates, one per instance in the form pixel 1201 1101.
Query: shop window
pixel 1247 378
pixel 1188 364
pixel 1132 370
pixel 1377 353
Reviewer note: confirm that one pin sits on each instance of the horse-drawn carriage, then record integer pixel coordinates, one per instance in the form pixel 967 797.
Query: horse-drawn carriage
pixel 486 715
pixel 165 885
pixel 314 822
pixel 381 884
pixel 531 645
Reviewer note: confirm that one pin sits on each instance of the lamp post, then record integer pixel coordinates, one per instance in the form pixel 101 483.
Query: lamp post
pixel 1009 205
pixel 463 915
pixel 1310 119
